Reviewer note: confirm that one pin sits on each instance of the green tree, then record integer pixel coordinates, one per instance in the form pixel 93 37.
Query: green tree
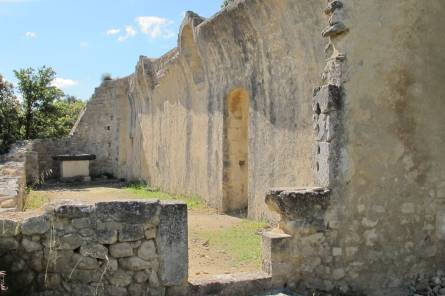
pixel 38 99
pixel 60 122
pixel 9 116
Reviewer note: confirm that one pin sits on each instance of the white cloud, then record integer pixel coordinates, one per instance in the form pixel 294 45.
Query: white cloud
pixel 155 26
pixel 129 32
pixel 83 44
pixel 31 35
pixel 63 83
pixel 112 32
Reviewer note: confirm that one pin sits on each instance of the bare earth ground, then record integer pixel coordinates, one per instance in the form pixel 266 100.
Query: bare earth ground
pixel 210 234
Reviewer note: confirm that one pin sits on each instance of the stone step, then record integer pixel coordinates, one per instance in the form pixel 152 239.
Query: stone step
pixel 232 285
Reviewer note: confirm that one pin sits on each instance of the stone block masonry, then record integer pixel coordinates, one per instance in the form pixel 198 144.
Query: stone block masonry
pixel 113 248
pixel 14 172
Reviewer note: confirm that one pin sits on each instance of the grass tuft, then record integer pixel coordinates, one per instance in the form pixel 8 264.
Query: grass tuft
pixel 35 200
pixel 147 192
pixel 241 241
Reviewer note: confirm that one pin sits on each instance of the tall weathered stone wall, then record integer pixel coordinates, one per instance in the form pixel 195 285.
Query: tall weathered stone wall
pixel 97 130
pixel 381 225
pixel 169 115
pixel 114 248
pixel 391 195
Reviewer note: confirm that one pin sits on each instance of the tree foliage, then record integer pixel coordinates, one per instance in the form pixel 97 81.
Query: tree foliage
pixel 38 99
pixel 60 121
pixel 9 115
pixel 45 111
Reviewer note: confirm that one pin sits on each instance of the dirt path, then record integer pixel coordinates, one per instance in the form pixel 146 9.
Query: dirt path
pixel 210 234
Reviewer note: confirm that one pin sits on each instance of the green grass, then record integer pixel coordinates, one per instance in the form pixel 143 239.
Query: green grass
pixel 241 241
pixel 145 192
pixel 34 200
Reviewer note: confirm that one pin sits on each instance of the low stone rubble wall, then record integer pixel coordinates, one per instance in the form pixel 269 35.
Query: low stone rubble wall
pixel 111 248
pixel 13 167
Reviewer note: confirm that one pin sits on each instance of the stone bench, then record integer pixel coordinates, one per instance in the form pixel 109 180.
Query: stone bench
pixel 75 167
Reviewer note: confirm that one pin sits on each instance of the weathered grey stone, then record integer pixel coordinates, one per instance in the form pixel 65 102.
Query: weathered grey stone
pixel 136 290
pixel 295 204
pixel 408 208
pixel 53 280
pixel 141 276
pixel 63 226
pixel 31 246
pixel 116 291
pixel 86 263
pixel 87 233
pixel 327 99
pixel 172 244
pixel 58 260
pixel 334 30
pixel 150 233
pixel 73 211
pixel 130 212
pixel 107 233
pixel 157 291
pixel 333 5
pixel 440 224
pixel 18 265
pixel 69 242
pixel 154 280
pixel 121 250
pixel 25 278
pixel 135 264
pixel 131 232
pixel 338 274
pixel 336 252
pixel 8 243
pixel 85 276
pixel 83 290
pixel 135 244
pixel 112 264
pixel 9 228
pixel 147 250
pixel 120 278
pixel 81 223
pixel 94 251
pixel 35 225
pixel 36 262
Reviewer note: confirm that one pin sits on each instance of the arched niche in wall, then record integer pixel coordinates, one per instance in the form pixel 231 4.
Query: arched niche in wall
pixel 190 52
pixel 236 150
pixel 132 123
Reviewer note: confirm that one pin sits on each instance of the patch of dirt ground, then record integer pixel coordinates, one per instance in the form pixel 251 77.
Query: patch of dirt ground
pixel 218 243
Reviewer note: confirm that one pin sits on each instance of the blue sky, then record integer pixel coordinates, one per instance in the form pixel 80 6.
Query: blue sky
pixel 82 39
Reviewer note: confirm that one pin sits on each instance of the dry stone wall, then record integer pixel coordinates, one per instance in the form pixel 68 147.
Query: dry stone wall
pixel 114 248
pixel 16 167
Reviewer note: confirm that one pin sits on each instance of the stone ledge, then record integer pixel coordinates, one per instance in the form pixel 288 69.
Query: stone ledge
pixel 232 284
pixel 299 205
pixel 74 157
